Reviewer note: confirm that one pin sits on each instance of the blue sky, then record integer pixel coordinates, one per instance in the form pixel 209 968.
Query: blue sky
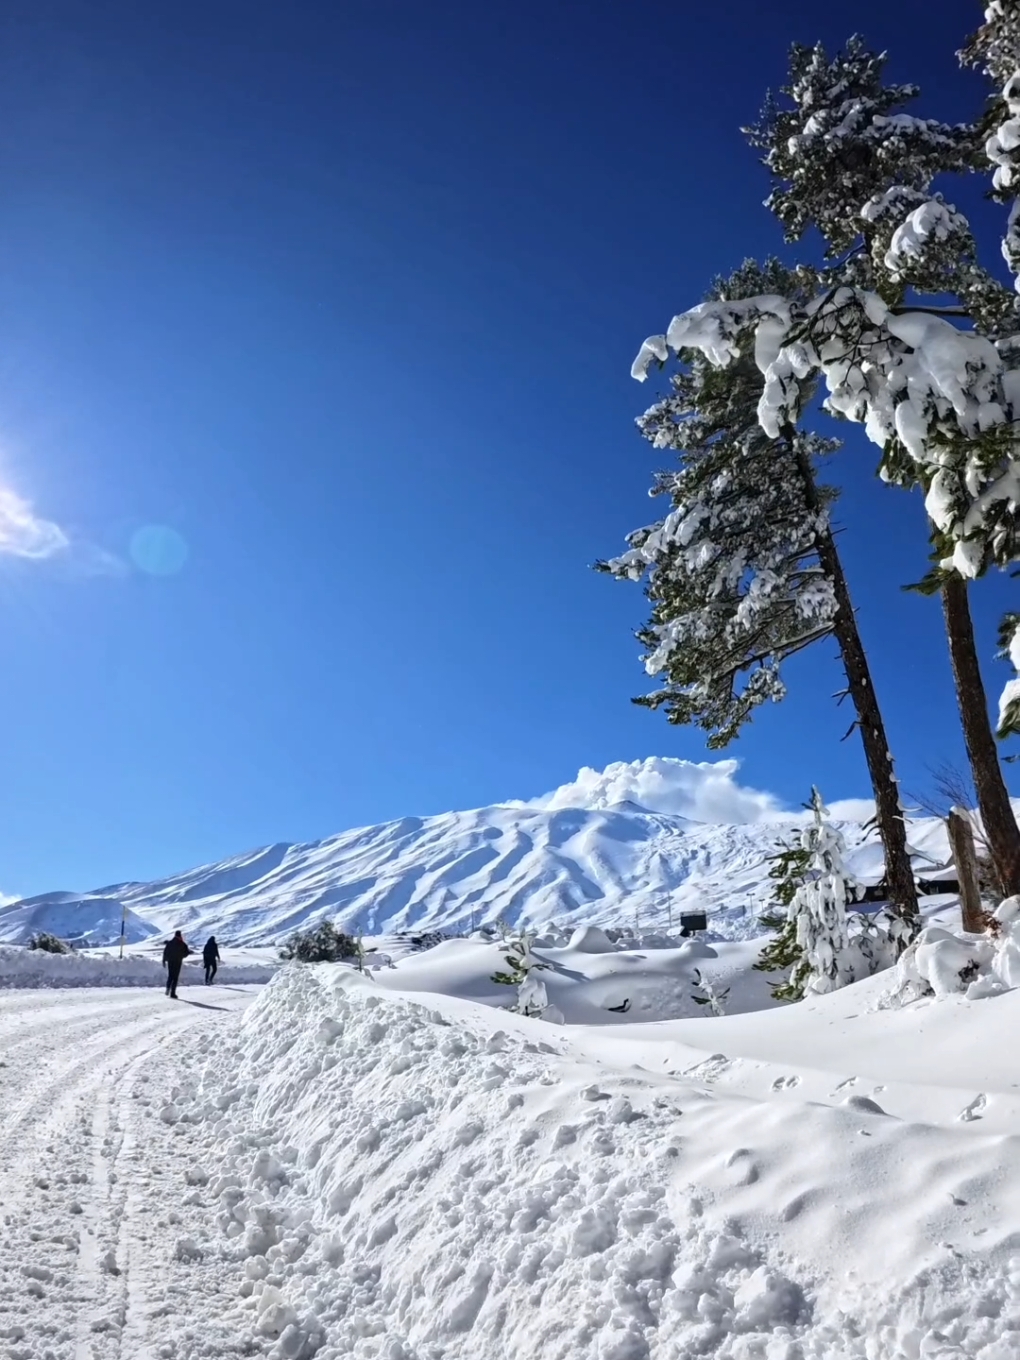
pixel 345 296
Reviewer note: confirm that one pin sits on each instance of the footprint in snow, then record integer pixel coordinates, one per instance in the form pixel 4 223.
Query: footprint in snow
pixel 795 1207
pixel 974 1110
pixel 744 1168
pixel 709 1068
pixel 785 1083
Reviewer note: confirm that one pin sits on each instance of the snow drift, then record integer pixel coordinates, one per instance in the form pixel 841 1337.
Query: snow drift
pixel 410 1180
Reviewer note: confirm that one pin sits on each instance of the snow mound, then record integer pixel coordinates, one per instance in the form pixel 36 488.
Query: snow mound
pixel 942 963
pixel 406 1180
pixel 590 940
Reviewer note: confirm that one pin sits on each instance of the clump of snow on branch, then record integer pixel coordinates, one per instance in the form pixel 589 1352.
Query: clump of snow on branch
pixel 919 385
pixel 934 220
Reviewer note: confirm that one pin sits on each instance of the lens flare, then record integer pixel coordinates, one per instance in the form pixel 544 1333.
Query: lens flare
pixel 158 550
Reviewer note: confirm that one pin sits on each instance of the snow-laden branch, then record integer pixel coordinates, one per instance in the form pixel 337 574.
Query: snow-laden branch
pixel 918 384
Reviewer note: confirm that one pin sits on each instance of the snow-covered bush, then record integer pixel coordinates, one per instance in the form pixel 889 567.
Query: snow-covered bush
pixel 709 995
pixel 941 963
pixel 49 944
pixel 521 972
pixel 323 944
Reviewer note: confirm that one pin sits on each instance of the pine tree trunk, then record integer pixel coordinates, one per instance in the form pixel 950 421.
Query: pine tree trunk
pixel 899 875
pixel 1001 830
pixel 961 842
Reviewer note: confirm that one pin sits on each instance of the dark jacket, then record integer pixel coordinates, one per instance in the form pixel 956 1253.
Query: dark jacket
pixel 211 953
pixel 175 951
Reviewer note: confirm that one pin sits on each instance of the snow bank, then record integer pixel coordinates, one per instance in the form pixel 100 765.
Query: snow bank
pixel 401 1181
pixel 21 967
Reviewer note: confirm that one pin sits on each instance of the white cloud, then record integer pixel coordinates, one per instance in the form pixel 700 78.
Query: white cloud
pixel 704 791
pixel 852 809
pixel 23 533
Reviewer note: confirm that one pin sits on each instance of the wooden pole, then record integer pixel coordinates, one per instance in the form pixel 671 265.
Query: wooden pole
pixel 961 840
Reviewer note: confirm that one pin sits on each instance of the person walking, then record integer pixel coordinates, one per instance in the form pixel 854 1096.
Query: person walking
pixel 211 958
pixel 175 951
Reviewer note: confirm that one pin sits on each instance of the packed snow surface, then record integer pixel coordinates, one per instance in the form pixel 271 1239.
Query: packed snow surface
pixel 589 852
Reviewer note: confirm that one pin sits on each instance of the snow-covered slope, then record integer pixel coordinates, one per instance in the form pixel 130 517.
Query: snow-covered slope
pixel 84 919
pixel 589 852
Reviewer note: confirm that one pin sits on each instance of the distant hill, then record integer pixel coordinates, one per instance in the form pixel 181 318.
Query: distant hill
pixel 614 864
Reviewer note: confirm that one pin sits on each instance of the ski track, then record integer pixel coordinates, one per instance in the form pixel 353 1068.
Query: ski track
pixel 89 1205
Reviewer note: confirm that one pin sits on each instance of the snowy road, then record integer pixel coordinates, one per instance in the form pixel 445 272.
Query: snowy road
pixel 83 1198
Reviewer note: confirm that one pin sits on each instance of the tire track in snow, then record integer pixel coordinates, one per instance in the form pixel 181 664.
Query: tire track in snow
pixel 131 1245
pixel 72 1067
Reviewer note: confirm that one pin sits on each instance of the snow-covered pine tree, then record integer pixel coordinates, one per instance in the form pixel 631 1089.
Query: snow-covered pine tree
pixel 906 242
pixel 873 942
pixel 1009 699
pixel 743 572
pixel 935 383
pixel 818 909
pixel 783 954
pixel 995 50
pixel 521 972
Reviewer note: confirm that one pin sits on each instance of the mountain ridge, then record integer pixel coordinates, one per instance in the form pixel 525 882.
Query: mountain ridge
pixel 610 865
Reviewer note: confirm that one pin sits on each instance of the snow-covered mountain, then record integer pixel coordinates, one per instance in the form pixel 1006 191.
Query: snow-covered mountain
pixel 611 848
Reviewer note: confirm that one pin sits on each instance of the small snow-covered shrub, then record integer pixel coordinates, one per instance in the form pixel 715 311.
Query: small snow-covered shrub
pixel 521 972
pixel 942 963
pixel 49 944
pixel 324 944
pixel 709 995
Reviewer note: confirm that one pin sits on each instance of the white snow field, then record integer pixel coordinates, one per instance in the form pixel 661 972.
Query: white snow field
pixel 349 1170
pixel 637 843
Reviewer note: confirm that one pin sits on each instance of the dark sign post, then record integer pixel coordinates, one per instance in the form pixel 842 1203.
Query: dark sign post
pixel 691 922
